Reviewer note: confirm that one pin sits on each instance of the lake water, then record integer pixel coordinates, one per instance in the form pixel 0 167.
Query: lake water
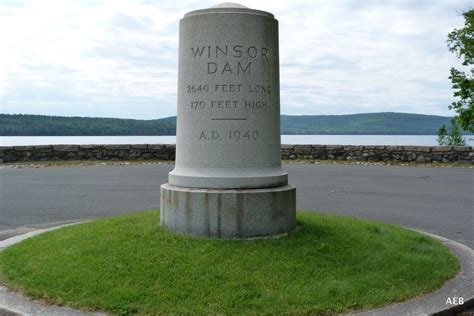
pixel 417 140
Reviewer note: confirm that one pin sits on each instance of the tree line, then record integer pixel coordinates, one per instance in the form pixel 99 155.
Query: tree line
pixel 45 125
pixel 355 124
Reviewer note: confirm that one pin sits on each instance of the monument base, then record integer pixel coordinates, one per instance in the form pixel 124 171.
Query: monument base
pixel 239 213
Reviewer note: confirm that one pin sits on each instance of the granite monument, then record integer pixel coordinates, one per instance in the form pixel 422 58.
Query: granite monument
pixel 228 180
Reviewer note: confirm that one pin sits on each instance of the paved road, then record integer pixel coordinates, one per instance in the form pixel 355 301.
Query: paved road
pixel 438 200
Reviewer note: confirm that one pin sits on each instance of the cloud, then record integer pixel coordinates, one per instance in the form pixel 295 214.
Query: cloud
pixel 375 56
pixel 118 58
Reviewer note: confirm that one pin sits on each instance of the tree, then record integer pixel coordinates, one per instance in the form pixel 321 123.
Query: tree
pixel 442 136
pixel 454 138
pixel 461 43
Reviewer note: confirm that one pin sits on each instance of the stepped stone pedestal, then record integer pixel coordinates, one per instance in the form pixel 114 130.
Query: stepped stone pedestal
pixel 228 181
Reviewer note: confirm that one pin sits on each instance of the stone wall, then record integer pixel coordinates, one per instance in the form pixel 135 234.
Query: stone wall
pixel 423 154
pixel 86 152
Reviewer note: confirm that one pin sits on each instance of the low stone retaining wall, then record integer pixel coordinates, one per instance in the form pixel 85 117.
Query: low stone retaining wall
pixel 86 152
pixel 423 154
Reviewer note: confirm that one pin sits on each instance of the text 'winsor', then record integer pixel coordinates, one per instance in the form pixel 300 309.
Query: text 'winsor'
pixel 237 51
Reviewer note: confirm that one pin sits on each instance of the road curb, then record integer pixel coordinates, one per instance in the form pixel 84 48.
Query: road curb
pixel 434 303
pixel 13 303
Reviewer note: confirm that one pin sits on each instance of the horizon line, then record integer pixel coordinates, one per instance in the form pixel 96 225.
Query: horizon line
pixel 173 116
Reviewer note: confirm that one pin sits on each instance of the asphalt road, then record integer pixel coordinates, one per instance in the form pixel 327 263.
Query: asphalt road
pixel 437 200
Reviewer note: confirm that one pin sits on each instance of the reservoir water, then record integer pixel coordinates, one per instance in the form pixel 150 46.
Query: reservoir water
pixel 415 140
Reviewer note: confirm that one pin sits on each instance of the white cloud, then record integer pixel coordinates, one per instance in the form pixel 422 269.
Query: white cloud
pixel 119 58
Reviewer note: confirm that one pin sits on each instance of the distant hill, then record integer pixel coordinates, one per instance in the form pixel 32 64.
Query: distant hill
pixel 387 123
pixel 45 125
pixel 355 124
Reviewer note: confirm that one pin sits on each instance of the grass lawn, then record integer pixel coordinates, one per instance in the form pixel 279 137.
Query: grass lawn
pixel 129 264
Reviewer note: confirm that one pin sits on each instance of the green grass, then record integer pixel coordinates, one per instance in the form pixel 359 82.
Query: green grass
pixel 130 265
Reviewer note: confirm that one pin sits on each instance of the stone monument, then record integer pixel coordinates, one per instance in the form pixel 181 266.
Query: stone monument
pixel 228 181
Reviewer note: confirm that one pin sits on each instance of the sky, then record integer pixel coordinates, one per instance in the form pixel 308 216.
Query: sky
pixel 117 58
